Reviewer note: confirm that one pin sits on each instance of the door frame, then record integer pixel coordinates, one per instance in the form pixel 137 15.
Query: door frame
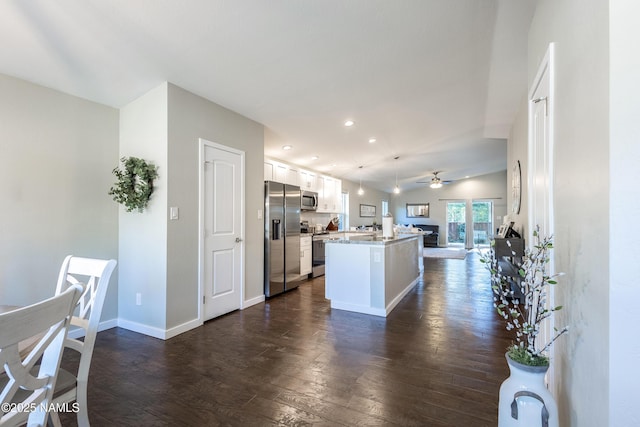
pixel 202 143
pixel 544 76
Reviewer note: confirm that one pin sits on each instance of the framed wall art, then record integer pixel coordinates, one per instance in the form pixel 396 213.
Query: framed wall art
pixel 367 211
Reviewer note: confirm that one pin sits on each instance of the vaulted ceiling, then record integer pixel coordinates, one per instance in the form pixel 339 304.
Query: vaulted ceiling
pixel 437 83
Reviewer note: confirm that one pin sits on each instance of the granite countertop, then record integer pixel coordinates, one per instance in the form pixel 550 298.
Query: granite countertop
pixel 371 239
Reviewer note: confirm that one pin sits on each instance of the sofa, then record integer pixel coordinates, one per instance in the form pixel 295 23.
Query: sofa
pixel 430 240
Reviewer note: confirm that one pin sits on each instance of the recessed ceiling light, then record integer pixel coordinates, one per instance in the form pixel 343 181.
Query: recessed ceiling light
pixel 467 176
pixel 334 165
pixel 287 147
pixel 349 123
pixel 315 158
pixel 372 140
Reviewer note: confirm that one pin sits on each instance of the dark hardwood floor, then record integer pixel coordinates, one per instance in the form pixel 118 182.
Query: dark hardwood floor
pixel 437 360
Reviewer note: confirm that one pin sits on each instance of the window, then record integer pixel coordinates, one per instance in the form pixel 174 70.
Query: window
pixel 385 207
pixel 344 215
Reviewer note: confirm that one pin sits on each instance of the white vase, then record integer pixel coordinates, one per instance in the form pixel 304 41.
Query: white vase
pixel 524 398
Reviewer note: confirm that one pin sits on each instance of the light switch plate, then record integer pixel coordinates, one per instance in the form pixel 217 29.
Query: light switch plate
pixel 174 212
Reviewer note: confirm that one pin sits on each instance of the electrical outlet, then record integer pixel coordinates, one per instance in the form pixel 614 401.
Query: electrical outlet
pixel 138 298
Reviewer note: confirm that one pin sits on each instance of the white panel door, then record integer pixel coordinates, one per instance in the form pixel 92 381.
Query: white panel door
pixel 223 204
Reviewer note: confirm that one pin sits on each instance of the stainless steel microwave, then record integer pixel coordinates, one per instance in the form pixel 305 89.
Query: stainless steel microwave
pixel 308 200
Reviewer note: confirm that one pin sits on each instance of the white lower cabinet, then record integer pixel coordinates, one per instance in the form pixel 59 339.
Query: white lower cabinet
pixel 305 255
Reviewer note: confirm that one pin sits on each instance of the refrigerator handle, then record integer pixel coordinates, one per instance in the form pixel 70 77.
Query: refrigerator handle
pixel 276 233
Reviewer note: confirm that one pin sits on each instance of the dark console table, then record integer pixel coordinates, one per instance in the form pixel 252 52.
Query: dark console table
pixel 509 258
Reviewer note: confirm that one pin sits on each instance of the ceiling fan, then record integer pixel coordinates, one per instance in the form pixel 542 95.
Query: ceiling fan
pixel 435 182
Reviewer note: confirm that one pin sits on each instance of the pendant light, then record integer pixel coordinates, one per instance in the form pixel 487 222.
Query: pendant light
pixel 396 190
pixel 360 190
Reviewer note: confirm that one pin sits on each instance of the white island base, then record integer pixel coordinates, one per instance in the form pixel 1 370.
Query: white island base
pixel 370 274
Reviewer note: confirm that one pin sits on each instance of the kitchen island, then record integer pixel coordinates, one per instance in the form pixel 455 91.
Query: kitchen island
pixel 370 274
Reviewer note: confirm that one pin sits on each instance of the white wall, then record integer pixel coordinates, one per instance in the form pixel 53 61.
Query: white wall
pixel 581 197
pixel 56 156
pixel 190 118
pixel 492 187
pixel 160 257
pixel 143 235
pixel 517 151
pixel 370 197
pixel 624 208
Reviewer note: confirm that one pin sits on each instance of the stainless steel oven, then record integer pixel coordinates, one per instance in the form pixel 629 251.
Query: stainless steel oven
pixel 317 254
pixel 308 200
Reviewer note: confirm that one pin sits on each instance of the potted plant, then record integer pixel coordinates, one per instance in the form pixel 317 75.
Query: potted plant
pixel 527 356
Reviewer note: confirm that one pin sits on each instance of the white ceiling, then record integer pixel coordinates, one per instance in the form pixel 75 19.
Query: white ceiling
pixel 436 82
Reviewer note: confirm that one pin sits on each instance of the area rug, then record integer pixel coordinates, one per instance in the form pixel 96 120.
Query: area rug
pixel 451 253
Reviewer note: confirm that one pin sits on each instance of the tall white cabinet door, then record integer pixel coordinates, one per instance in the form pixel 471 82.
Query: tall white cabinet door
pixel 307 180
pixel 305 255
pixel 293 177
pixel 280 174
pixel 320 190
pixel 268 171
pixel 329 194
pixel 338 196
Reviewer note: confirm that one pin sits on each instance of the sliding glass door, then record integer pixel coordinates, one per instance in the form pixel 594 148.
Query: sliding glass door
pixel 478 219
pixel 456 223
pixel 482 222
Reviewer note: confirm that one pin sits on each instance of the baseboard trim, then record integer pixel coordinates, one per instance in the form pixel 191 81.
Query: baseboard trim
pixel 177 330
pixel 142 329
pixel 253 301
pixel 163 334
pixel 103 326
pixel 402 294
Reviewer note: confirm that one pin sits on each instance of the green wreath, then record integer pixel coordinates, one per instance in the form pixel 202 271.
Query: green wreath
pixel 135 183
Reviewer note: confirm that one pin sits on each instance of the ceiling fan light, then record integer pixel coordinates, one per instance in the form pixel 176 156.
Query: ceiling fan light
pixel 436 184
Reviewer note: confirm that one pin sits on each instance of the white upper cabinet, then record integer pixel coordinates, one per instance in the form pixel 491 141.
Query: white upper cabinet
pixel 338 196
pixel 280 172
pixel 327 200
pixel 293 177
pixel 329 194
pixel 329 189
pixel 268 171
pixel 307 180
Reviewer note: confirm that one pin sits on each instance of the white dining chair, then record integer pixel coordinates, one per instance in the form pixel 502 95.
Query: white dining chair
pixel 94 274
pixel 27 392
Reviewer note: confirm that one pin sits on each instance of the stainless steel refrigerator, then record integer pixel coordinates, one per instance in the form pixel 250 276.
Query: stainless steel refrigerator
pixel 281 238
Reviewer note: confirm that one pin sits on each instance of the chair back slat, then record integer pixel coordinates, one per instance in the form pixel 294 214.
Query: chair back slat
pixel 94 274
pixel 49 320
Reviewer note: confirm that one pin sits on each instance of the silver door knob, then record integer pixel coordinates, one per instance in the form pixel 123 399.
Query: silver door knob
pixel 238 240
